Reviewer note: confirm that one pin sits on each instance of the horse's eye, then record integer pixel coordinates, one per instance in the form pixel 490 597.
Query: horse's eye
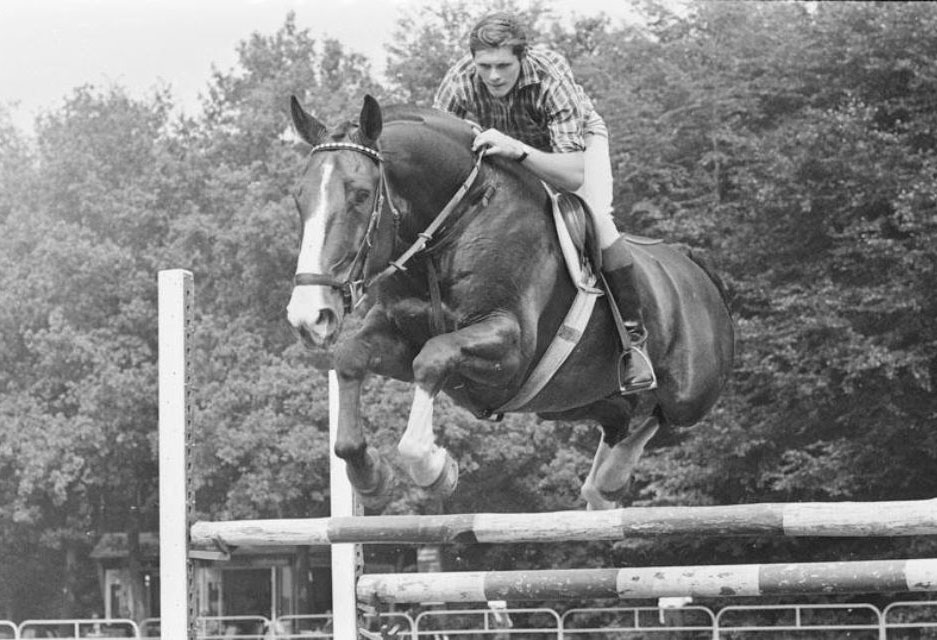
pixel 361 195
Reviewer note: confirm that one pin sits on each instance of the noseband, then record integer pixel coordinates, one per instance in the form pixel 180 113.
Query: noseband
pixel 354 286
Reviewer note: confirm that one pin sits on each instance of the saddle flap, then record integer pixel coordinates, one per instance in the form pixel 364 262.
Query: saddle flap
pixel 576 235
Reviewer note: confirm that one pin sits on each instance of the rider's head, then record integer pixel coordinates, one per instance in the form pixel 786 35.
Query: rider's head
pixel 498 44
pixel 498 30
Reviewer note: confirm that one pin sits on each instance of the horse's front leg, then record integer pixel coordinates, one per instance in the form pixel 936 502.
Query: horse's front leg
pixel 487 352
pixel 379 348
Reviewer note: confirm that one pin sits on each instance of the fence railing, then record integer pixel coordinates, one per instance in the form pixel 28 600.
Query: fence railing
pixel 8 630
pixel 102 629
pixel 898 621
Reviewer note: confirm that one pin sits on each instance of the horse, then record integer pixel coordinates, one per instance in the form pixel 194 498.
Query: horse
pixel 455 260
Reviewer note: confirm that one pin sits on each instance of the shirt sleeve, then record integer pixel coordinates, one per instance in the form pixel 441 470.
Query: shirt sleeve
pixel 449 94
pixel 565 105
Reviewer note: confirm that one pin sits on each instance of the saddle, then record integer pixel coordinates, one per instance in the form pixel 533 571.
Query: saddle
pixel 583 259
pixel 576 232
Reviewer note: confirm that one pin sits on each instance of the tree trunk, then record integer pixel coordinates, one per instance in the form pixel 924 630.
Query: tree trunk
pixel 136 591
pixel 69 600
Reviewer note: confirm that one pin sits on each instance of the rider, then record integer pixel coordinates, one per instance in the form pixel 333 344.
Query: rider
pixel 533 112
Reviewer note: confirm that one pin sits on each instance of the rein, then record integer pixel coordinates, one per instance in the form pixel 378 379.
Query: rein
pixel 355 286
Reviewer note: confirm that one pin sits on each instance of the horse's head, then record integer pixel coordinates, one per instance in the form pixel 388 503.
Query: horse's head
pixel 337 197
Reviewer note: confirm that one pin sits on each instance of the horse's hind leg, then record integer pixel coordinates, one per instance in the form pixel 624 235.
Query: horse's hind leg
pixel 590 491
pixel 613 465
pixel 617 454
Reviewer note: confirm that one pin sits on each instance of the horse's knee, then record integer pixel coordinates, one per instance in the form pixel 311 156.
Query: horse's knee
pixel 351 451
pixel 430 367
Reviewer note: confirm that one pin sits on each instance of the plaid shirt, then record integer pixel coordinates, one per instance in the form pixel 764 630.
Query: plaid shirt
pixel 545 109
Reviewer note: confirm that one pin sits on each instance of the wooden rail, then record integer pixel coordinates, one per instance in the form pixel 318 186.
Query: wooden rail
pixel 873 576
pixel 836 519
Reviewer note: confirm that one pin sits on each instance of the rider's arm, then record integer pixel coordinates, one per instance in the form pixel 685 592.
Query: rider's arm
pixel 564 170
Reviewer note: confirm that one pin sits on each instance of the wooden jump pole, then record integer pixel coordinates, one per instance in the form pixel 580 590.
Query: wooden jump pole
pixel 346 558
pixel 176 298
pixel 837 519
pixel 653 582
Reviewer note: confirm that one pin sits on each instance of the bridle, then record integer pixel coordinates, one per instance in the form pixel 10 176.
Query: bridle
pixel 355 285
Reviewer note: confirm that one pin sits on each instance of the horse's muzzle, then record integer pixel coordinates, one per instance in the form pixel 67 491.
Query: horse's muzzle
pixel 315 313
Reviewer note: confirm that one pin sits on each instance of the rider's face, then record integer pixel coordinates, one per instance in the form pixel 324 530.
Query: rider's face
pixel 498 68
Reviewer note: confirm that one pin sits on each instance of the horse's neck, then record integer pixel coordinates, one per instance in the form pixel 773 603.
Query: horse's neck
pixel 425 184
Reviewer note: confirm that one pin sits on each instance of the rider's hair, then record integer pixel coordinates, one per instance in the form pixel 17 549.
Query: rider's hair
pixel 497 30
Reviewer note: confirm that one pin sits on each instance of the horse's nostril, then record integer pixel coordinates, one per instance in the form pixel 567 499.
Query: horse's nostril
pixel 327 318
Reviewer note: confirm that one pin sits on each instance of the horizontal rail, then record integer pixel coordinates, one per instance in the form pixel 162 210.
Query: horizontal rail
pixel 874 576
pixel 822 519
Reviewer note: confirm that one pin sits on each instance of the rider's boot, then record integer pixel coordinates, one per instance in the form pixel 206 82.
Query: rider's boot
pixel 618 269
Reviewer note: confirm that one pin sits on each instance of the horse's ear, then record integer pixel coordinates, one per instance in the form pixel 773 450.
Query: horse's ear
pixel 371 120
pixel 308 128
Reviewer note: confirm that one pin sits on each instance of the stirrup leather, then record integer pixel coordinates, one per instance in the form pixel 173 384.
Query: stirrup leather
pixel 631 346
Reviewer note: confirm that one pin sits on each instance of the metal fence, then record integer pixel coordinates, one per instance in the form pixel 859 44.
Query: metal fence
pixel 109 629
pixel 684 623
pixel 910 620
pixel 782 622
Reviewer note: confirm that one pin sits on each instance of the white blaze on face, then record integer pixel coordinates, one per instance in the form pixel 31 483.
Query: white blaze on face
pixel 307 302
pixel 310 253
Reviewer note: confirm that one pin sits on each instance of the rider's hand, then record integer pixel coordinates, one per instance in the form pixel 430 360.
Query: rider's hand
pixel 496 143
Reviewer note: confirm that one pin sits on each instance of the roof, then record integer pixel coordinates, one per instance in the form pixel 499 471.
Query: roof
pixel 114 545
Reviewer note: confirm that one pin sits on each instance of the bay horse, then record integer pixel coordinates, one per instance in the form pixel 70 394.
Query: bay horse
pixel 476 290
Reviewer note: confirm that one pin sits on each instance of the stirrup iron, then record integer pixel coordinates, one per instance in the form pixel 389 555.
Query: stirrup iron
pixel 634 351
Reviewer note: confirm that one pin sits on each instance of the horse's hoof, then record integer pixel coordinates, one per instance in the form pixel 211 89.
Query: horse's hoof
pixel 615 496
pixel 447 481
pixel 376 492
pixel 596 500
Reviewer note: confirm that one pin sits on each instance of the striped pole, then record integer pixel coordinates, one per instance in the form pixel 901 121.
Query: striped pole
pixel 825 578
pixel 838 519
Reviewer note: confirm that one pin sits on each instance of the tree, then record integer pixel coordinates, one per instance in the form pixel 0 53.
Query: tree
pixel 77 399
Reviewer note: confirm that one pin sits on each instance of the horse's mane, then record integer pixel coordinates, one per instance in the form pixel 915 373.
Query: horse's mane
pixel 408 116
pixel 406 122
pixel 434 118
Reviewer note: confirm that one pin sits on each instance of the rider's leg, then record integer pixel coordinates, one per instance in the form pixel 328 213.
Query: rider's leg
pixel 596 188
pixel 617 261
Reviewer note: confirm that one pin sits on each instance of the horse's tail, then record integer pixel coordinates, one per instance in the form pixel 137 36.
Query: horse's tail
pixel 726 293
pixel 709 269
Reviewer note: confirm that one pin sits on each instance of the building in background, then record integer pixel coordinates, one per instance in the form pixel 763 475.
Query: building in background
pixel 269 581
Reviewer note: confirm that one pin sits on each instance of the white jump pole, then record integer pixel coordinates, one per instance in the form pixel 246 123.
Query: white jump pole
pixel 345 557
pixel 176 295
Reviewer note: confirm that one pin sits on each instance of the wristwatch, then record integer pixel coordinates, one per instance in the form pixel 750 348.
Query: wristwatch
pixel 523 155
